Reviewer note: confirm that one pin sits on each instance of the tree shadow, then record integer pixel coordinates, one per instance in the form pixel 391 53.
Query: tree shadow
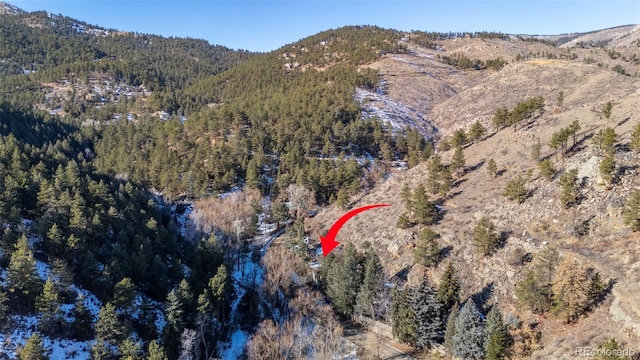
pixel 476 166
pixel 548 156
pixel 440 210
pixel 502 238
pixel 444 252
pixel 622 122
pixel 625 170
pixel 602 296
pixel 458 182
pixel 401 276
pixel 530 193
pixel 582 228
pixel 482 297
pixel 625 148
pixel 500 172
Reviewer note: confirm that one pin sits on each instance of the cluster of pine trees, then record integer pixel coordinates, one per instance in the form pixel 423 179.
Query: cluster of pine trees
pixel 561 285
pixel 354 282
pixel 89 231
pixel 463 62
pixel 524 110
pixel 426 316
pixel 56 46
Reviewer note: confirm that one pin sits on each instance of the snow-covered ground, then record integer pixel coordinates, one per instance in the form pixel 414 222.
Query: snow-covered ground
pixel 250 274
pixel 396 113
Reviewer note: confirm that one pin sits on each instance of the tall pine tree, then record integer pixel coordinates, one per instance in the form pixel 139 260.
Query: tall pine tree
pixel 33 349
pixel 23 282
pixel 468 340
pixel 371 284
pixel 48 304
pixel 427 314
pixel 449 288
pixel 450 329
pixel 495 343
pixel 402 318
pixel 427 251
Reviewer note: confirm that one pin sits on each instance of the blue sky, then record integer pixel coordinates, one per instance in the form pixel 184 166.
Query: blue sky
pixel 266 25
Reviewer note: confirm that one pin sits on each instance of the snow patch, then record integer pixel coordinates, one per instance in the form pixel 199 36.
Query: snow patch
pixel 236 346
pixel 68 349
pixel 43 270
pixel 393 112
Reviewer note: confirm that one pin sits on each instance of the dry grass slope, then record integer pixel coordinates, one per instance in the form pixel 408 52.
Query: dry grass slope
pixel 456 99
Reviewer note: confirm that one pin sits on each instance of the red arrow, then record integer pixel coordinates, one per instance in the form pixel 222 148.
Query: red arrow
pixel 329 242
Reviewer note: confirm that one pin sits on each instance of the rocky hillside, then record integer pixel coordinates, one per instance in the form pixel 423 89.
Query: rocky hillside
pixel 452 98
pixel 593 230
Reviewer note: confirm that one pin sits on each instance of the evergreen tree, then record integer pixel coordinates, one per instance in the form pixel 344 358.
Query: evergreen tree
pixel 607 168
pixel 492 168
pixel 124 294
pixel 342 199
pixel 547 169
pixel 345 281
pixel 403 221
pixel 573 129
pixel 3 307
pixel 110 332
pixel 594 290
pixel 635 139
pixel 427 314
pixel 495 344
pixel 82 321
pixel 450 330
pixel 33 349
pixel 424 210
pixel 500 118
pixel 605 139
pixel 611 350
pixel 560 99
pixel 48 304
pixel 23 282
pixel 449 288
pixel 532 294
pixel 468 340
pixel 535 150
pixel 459 138
pixel 130 350
pixel 444 145
pixel 570 285
pixel 568 181
pixel 477 131
pixel 174 311
pixel 446 182
pixel 435 168
pixel 485 237
pixel 606 110
pixel 407 197
pixel 427 252
pixel 631 212
pixel 458 161
pixel 402 319
pixel 371 284
pixel 156 352
pixel 55 241
pixel 516 190
pixel 185 294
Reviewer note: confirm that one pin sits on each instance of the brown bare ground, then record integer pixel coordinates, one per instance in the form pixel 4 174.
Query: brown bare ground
pixel 457 99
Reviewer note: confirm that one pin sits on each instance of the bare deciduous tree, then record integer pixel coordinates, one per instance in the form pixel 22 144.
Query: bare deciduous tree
pixel 301 200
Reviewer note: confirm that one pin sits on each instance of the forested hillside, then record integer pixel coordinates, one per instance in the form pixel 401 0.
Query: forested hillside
pixel 74 238
pixel 94 260
pixel 161 198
